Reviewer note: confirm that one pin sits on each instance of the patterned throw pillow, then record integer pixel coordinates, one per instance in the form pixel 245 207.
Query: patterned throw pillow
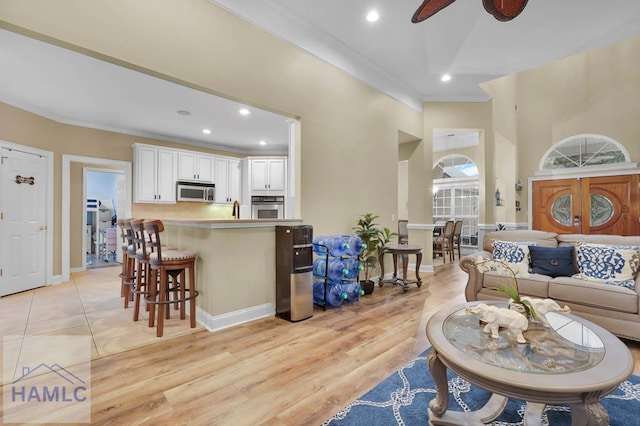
pixel 516 254
pixel 609 264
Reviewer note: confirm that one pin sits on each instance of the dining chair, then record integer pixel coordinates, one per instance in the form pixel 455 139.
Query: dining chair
pixel 456 239
pixel 443 244
pixel 403 232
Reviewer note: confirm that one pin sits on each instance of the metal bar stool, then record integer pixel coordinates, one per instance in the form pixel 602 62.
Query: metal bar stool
pixel 171 265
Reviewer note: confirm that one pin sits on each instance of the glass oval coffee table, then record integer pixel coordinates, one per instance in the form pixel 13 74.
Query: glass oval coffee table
pixel 574 363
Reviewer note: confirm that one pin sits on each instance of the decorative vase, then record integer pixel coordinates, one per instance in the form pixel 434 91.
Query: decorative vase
pixel 367 286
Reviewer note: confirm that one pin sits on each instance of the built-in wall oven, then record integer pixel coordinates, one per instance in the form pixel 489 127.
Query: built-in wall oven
pixel 267 207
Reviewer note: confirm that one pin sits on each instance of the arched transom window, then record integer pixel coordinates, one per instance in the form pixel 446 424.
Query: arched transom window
pixel 584 151
pixel 455 166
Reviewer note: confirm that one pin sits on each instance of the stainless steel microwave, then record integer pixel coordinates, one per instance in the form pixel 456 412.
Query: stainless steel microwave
pixel 194 191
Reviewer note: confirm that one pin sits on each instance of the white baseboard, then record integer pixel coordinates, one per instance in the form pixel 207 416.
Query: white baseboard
pixel 423 268
pixel 410 268
pixel 80 269
pixel 56 279
pixel 219 322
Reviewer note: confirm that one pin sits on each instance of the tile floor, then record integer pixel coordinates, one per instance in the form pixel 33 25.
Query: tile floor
pixel 99 261
pixel 89 304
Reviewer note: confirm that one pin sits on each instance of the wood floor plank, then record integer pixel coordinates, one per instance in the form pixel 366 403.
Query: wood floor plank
pixel 271 371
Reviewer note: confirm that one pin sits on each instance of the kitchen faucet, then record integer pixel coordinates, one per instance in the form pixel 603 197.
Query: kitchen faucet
pixel 236 210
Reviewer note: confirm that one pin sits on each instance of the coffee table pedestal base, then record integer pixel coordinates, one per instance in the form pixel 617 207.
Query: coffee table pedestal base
pixel 590 413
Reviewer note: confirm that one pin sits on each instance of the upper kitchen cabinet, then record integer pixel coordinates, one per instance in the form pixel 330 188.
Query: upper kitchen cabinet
pixel 268 175
pixel 154 174
pixel 196 167
pixel 228 175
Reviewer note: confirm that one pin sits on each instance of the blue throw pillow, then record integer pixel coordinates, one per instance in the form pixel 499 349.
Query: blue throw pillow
pixel 552 261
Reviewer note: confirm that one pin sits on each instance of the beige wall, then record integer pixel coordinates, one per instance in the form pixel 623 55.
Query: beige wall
pixel 349 131
pixel 466 115
pixel 595 92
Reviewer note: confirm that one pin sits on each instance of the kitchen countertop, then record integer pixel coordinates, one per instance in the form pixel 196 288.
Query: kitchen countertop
pixel 231 223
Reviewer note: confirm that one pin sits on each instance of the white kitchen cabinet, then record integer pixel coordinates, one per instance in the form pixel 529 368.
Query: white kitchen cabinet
pixel 268 176
pixel 195 167
pixel 154 174
pixel 228 175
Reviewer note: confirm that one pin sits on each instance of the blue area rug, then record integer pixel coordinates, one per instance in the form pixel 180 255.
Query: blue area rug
pixel 404 396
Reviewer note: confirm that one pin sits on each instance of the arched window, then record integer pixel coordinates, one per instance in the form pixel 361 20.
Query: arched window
pixel 455 166
pixel 584 151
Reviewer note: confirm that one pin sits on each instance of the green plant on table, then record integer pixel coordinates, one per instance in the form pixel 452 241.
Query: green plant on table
pixel 510 290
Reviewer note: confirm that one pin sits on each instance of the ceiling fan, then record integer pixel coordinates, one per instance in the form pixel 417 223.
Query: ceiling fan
pixel 502 10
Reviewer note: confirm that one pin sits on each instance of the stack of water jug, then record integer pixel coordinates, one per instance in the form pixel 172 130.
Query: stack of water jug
pixel 336 269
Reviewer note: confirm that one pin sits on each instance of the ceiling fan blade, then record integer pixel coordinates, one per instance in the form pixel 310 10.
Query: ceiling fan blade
pixel 429 8
pixel 504 10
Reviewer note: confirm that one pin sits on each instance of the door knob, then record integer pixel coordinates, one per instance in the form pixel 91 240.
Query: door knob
pixel 43 227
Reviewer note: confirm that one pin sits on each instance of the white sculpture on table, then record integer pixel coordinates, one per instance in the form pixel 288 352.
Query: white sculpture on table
pixel 542 306
pixel 496 317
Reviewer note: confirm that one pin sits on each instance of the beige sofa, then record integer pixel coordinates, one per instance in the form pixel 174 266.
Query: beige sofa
pixel 615 308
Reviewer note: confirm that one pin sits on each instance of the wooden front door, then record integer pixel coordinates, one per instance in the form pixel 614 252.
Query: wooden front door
pixel 595 205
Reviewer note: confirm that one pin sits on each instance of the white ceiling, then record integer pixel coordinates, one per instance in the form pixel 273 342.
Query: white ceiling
pixel 406 60
pixel 72 88
pixel 402 59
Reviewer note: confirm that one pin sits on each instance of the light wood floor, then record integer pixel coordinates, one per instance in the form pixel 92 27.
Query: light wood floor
pixel 272 371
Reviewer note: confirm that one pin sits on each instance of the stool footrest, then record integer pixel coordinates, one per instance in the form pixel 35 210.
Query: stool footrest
pixel 166 302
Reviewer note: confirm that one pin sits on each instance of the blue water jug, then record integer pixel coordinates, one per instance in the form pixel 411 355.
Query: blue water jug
pixel 318 243
pixel 353 267
pixel 334 270
pixel 352 291
pixel 338 245
pixel 335 295
pixel 356 245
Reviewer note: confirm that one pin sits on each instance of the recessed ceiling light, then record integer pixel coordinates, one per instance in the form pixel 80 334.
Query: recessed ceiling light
pixel 263 142
pixel 183 112
pixel 445 77
pixel 373 16
pixel 206 131
pixel 245 111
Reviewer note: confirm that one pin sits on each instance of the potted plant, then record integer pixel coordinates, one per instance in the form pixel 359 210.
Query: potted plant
pixel 511 290
pixel 374 239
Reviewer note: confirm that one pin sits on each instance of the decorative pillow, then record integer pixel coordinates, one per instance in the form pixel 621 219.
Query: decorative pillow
pixel 516 254
pixel 552 261
pixel 610 264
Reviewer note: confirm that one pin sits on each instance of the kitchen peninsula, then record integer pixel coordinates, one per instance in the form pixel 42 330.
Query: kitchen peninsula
pixel 235 270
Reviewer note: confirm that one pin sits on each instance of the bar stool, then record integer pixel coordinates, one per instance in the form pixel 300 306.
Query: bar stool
pixel 143 283
pixel 121 227
pixel 169 264
pixel 128 262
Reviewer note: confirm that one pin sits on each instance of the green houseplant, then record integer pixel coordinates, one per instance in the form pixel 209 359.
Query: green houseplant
pixel 510 290
pixel 374 237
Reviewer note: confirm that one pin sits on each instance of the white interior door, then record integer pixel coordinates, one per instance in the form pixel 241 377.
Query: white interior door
pixel 23 230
